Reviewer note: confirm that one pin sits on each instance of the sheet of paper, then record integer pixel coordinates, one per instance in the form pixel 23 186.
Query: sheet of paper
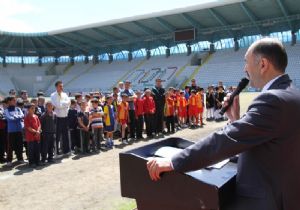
pixel 167 152
pixel 218 165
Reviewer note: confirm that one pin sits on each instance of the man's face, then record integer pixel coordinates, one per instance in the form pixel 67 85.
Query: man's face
pixel 24 96
pixel 60 87
pixel 127 85
pixel 193 82
pixel 158 83
pixel 252 69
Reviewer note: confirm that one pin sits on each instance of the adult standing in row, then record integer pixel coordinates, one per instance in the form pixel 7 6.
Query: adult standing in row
pixel 61 103
pixel 159 97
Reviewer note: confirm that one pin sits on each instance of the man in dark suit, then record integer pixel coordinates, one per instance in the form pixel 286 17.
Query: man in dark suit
pixel 158 93
pixel 267 137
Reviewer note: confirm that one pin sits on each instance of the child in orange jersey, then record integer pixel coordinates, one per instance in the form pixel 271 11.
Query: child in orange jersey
pixel 123 117
pixel 193 109
pixel 182 109
pixel 199 109
pixel 169 113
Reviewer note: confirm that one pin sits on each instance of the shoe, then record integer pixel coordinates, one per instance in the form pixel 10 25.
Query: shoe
pixel 8 164
pixel 21 161
pixel 111 143
pixel 125 142
pixel 41 164
pixel 51 161
pixel 32 165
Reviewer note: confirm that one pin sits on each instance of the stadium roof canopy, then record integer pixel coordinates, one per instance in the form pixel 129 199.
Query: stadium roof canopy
pixel 213 21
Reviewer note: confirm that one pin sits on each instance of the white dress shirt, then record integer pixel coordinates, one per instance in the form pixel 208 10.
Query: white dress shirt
pixel 61 103
pixel 268 85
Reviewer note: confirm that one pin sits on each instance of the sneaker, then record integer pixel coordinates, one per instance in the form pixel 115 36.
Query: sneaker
pixel 9 164
pixel 111 143
pixel 124 141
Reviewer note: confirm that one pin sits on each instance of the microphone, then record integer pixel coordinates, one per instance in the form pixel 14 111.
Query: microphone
pixel 243 83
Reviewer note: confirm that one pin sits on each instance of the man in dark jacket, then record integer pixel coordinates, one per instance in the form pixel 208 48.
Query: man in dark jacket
pixel 266 137
pixel 159 97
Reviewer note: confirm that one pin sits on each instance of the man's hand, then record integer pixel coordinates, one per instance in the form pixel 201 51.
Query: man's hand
pixel 156 166
pixel 233 112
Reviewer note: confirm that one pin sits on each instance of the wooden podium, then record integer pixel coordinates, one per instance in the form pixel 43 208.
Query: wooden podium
pixel 207 189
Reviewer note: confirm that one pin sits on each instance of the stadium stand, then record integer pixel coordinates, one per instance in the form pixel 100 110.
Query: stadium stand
pixel 174 71
pixel 157 67
pixel 215 70
pixel 89 77
pixel 293 68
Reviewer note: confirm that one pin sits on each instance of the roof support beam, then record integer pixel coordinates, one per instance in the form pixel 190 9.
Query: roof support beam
pixel 71 43
pixel 4 39
pixel 123 31
pixel 104 34
pixel 85 37
pixel 30 40
pixel 165 24
pixel 40 42
pixel 191 21
pixel 285 12
pixel 52 42
pixel 11 42
pixel 221 20
pixel 144 28
pixel 251 16
pixel 78 38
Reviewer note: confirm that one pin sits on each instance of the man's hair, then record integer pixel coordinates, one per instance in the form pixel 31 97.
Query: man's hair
pixel 58 83
pixel 273 50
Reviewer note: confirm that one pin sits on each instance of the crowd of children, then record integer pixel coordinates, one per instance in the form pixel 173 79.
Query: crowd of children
pixel 95 121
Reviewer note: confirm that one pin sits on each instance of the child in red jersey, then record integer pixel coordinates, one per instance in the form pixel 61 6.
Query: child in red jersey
pixel 149 109
pixel 139 114
pixel 32 134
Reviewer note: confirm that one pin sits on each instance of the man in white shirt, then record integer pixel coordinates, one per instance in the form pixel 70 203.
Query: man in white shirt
pixel 61 103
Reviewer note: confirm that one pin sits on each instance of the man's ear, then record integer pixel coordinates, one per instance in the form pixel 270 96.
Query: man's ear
pixel 264 65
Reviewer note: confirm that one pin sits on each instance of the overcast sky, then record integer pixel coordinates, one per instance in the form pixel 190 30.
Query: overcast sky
pixel 48 15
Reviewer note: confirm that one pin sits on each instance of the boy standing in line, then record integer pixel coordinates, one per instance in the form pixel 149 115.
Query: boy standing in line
pixel 123 117
pixel 14 117
pixel 109 121
pixel 83 122
pixel 49 129
pixel 139 114
pixel 33 136
pixel 96 122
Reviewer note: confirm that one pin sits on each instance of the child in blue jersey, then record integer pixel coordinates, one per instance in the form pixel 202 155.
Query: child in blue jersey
pixel 109 121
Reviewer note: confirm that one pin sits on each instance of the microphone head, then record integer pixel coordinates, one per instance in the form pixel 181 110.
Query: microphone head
pixel 243 83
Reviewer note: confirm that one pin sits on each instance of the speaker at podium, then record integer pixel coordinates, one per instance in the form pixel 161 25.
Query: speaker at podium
pixel 206 189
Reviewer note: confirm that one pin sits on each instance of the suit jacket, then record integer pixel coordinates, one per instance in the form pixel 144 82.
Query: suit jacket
pixel 267 138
